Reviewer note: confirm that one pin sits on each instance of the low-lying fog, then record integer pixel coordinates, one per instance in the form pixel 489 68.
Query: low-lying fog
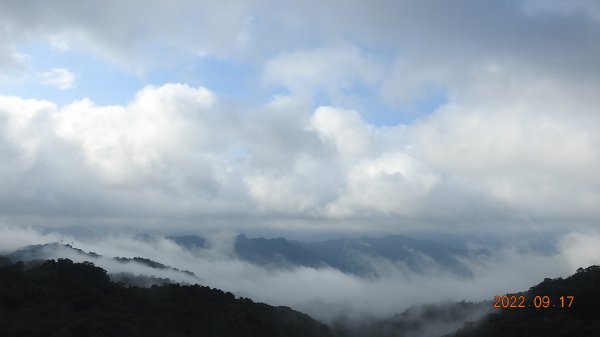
pixel 326 293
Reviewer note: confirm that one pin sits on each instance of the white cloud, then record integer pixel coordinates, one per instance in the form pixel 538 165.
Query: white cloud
pixel 529 145
pixel 393 183
pixel 499 153
pixel 127 143
pixel 516 141
pixel 60 78
pixel 344 128
pixel 331 70
pixel 581 249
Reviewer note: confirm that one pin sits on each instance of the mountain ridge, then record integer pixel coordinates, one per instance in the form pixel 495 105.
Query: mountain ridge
pixel 62 298
pixel 354 256
pixel 41 252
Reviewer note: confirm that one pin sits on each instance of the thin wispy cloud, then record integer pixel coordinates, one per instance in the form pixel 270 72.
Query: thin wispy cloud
pixel 60 78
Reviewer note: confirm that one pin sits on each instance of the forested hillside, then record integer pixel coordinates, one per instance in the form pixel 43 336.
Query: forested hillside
pixel 62 298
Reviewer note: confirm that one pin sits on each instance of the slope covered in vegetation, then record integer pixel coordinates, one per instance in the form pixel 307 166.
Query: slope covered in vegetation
pixel 62 298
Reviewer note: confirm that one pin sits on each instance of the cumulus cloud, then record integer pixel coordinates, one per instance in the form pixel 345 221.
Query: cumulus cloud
pixel 125 143
pixel 60 78
pixel 165 144
pixel 528 152
pixel 176 150
pixel 345 129
pixel 515 142
pixel 390 184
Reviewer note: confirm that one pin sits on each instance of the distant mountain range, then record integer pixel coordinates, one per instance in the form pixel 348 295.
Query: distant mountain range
pixel 361 256
pixel 366 256
pixel 189 241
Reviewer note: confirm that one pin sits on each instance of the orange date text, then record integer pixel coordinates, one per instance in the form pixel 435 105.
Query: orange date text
pixel 537 302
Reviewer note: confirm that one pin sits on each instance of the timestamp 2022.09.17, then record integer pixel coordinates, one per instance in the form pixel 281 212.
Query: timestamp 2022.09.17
pixel 537 302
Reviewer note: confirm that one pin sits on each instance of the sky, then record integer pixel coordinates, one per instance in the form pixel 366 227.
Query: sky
pixel 304 116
